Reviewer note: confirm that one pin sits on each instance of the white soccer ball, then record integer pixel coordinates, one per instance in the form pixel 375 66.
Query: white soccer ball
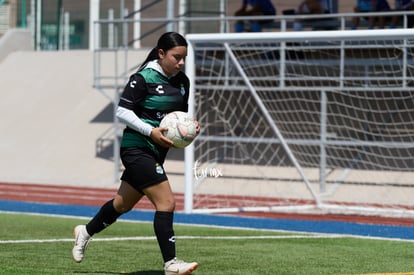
pixel 181 128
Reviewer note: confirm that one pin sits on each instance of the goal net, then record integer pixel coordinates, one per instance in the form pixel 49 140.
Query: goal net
pixel 318 122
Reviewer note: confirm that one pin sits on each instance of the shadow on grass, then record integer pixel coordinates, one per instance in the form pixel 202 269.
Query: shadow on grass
pixel 145 272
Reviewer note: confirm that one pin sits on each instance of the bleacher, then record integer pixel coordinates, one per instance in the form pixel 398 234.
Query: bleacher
pixel 333 21
pixel 313 24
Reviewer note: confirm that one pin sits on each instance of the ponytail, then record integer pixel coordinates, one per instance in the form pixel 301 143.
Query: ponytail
pixel 153 54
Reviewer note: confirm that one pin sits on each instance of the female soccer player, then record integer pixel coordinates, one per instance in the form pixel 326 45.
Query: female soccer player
pixel 159 87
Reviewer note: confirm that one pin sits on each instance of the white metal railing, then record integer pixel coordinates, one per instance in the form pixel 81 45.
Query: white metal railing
pixel 123 43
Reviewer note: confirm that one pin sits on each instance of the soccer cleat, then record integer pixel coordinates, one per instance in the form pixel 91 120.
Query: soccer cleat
pixel 82 239
pixel 178 267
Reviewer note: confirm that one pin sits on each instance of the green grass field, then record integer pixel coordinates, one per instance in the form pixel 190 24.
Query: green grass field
pixel 42 245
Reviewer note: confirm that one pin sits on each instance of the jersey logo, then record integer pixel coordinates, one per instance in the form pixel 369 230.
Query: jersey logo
pixel 182 90
pixel 160 89
pixel 132 83
pixel 160 115
pixel 158 169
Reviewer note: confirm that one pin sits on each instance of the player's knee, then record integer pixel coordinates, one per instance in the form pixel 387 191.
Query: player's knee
pixel 122 207
pixel 168 205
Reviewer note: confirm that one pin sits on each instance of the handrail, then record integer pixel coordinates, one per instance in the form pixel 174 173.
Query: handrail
pixel 148 33
pixel 143 8
pixel 267 17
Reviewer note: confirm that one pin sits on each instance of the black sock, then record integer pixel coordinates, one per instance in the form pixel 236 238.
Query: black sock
pixel 106 216
pixel 163 228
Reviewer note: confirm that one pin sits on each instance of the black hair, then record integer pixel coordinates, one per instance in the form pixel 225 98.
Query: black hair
pixel 166 42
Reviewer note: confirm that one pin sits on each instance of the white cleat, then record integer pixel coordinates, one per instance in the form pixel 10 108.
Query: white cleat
pixel 82 239
pixel 178 267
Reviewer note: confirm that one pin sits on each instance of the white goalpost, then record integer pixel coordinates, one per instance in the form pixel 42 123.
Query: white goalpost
pixel 316 122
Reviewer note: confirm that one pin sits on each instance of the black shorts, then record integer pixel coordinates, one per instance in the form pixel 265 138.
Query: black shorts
pixel 142 169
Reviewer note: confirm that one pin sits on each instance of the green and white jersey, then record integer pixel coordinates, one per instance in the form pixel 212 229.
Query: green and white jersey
pixel 150 94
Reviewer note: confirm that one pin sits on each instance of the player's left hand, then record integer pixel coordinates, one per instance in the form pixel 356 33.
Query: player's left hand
pixel 198 127
pixel 158 137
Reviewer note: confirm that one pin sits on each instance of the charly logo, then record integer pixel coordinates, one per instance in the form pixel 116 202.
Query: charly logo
pixel 133 83
pixel 160 89
pixel 212 172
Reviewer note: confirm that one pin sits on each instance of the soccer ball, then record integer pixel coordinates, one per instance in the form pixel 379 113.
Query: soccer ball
pixel 181 128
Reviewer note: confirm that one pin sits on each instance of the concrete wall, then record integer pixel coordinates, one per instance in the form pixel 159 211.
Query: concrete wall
pixel 15 40
pixel 48 117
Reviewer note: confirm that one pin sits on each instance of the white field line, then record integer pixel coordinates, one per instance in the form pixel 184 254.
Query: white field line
pixel 153 238
pixel 179 238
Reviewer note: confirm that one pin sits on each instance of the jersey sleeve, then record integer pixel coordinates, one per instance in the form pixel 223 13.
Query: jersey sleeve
pixel 134 92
